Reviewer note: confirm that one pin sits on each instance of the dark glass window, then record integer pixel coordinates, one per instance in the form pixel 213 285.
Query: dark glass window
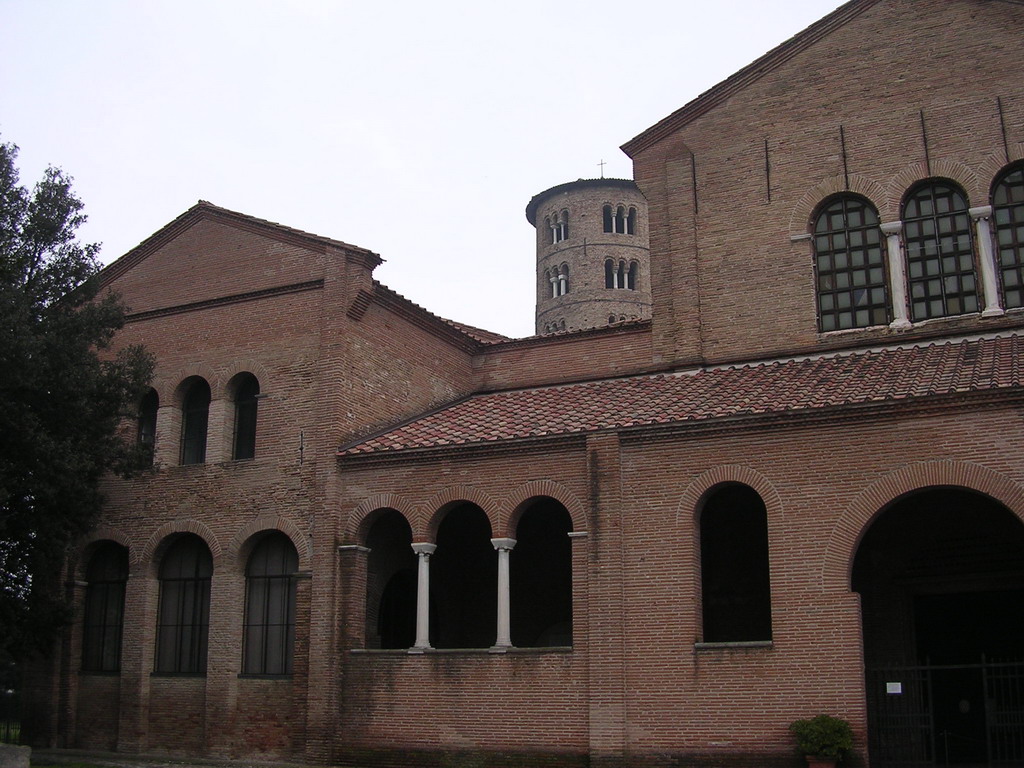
pixel 246 402
pixel 1008 213
pixel 184 614
pixel 106 575
pixel 195 417
pixel 940 252
pixel 270 607
pixel 735 586
pixel 850 266
pixel 147 420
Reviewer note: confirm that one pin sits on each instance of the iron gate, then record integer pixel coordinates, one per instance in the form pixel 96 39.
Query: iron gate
pixel 951 714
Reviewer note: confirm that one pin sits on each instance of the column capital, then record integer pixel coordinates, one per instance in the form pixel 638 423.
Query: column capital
pixel 424 548
pixel 352 548
pixel 891 227
pixel 503 543
pixel 981 212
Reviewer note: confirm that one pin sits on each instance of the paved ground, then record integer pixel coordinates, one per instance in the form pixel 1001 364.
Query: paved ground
pixel 115 760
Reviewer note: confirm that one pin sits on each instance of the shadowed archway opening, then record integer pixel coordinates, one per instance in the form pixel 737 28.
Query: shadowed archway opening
pixel 540 575
pixel 390 583
pixel 464 581
pixel 941 579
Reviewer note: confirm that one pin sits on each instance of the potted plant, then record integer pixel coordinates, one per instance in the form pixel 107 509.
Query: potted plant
pixel 824 740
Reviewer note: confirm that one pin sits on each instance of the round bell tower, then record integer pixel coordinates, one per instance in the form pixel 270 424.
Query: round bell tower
pixel 593 255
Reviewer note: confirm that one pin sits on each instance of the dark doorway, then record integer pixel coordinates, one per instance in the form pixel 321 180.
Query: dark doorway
pixel 390 583
pixel 941 579
pixel 464 581
pixel 541 577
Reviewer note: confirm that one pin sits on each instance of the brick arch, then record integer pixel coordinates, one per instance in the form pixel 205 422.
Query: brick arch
pixel 362 517
pixel 689 502
pixel 180 377
pixel 800 215
pixel 157 541
pixel 263 523
pixel 93 540
pixel 972 184
pixel 518 499
pixel 994 166
pixel 451 495
pixel 849 529
pixel 232 368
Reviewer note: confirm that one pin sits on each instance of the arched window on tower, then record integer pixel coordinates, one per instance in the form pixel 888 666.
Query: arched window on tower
pixel 940 251
pixel 634 270
pixel 195 417
pixel 269 636
pixel 849 261
pixel 247 392
pixel 563 279
pixel 1008 214
pixel 106 577
pixel 631 222
pixel 563 227
pixel 735 582
pixel 609 273
pixel 608 219
pixel 620 220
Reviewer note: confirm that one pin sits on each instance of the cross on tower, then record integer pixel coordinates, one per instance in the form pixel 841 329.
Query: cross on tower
pixel 602 168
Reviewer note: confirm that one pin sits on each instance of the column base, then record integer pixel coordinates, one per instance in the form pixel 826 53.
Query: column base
pixel 498 648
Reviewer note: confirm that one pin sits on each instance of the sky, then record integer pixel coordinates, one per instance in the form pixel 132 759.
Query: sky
pixel 419 130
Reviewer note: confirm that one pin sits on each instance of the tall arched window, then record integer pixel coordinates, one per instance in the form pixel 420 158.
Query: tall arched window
pixel 195 415
pixel 540 567
pixel 106 577
pixel 270 607
pixel 1008 213
pixel 390 583
pixel 147 420
pixel 563 279
pixel 631 275
pixel 183 619
pixel 562 232
pixel 464 581
pixel 247 394
pixel 608 219
pixel 940 251
pixel 631 222
pixel 735 586
pixel 849 263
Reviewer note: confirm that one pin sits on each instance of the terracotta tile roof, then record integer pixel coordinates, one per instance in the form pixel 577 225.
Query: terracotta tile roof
pixel 780 387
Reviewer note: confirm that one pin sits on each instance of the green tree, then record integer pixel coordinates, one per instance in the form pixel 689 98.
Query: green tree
pixel 63 396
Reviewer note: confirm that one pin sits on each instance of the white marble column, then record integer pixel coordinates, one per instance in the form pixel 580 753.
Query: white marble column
pixel 423 552
pixel 897 275
pixel 504 547
pixel 986 260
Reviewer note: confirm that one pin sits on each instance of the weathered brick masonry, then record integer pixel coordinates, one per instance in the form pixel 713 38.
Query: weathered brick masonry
pixel 651 543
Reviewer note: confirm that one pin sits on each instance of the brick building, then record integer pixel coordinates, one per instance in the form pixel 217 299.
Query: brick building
pixel 376 537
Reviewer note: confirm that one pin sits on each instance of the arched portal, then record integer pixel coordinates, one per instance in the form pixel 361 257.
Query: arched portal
pixel 941 579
